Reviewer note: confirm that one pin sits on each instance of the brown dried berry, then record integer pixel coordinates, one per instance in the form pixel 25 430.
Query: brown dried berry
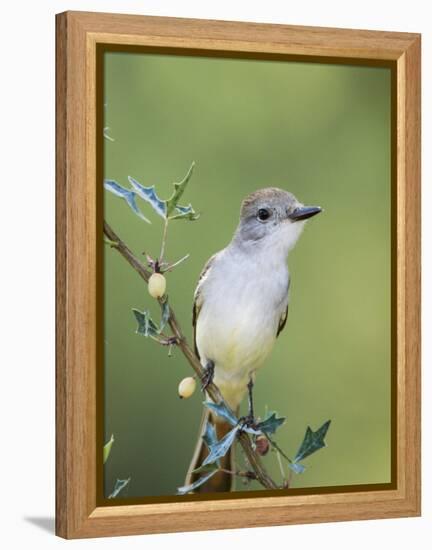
pixel 262 445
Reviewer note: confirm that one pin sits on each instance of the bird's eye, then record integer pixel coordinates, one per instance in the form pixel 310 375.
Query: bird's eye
pixel 263 214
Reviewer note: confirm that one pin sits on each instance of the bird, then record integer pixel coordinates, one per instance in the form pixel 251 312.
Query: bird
pixel 240 308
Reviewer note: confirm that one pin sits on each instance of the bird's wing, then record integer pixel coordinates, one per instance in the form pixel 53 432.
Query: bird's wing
pixel 282 321
pixel 284 316
pixel 198 298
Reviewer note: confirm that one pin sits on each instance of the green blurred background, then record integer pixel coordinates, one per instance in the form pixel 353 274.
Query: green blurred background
pixel 320 131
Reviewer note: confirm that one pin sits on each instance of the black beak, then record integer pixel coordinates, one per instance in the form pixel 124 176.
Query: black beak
pixel 304 212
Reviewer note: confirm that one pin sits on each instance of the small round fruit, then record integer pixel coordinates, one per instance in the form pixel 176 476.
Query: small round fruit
pixel 157 285
pixel 262 445
pixel 186 387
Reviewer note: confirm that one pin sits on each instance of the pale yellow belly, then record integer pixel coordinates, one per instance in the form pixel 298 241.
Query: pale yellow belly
pixel 238 347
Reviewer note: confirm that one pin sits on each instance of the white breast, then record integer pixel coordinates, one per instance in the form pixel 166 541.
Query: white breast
pixel 243 300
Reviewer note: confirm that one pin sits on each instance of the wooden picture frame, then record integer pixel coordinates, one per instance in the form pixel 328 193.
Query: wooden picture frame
pixel 78 226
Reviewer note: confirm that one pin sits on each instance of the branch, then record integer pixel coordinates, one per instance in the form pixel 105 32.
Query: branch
pixel 213 391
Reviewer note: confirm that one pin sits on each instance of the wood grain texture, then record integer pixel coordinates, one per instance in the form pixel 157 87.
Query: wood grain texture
pixel 255 37
pixel 78 238
pixel 62 449
pixel 76 282
pixel 412 263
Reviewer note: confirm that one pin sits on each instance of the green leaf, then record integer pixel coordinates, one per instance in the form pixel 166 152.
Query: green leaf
pixel 149 195
pixel 179 189
pixel 270 424
pixel 106 134
pixel 313 441
pixel 210 439
pixel 297 468
pixel 222 410
pixel 220 449
pixel 107 449
pixel 206 468
pixel 188 488
pixel 185 213
pixel 146 326
pixel 127 194
pixel 209 435
pixel 167 209
pixel 120 484
pixel 165 315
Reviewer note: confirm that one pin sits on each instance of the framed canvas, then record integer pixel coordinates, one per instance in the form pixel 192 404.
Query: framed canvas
pixel 263 127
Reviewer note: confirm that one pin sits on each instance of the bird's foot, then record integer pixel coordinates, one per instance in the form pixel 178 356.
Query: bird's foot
pixel 207 377
pixel 247 421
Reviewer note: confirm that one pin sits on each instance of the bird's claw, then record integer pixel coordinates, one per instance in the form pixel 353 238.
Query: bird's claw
pixel 207 377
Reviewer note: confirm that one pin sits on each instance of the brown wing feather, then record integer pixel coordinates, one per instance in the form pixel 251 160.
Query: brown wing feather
pixel 198 300
pixel 282 322
pixel 284 317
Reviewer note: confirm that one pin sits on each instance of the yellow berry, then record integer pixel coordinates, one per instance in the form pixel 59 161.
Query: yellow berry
pixel 186 387
pixel 157 285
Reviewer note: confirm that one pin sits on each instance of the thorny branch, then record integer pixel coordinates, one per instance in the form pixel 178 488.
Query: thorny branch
pixel 252 456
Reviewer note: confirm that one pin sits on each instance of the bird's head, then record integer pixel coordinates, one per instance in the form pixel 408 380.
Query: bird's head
pixel 273 217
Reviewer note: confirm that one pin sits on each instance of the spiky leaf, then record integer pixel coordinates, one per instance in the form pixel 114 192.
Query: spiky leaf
pixel 165 208
pixel 146 325
pixel 179 189
pixel 222 410
pixel 107 449
pixel 210 439
pixel 165 315
pixel 220 449
pixel 209 435
pixel 127 194
pixel 185 213
pixel 206 468
pixel 188 488
pixel 120 484
pixel 270 424
pixel 106 134
pixel 296 468
pixel 313 441
pixel 149 195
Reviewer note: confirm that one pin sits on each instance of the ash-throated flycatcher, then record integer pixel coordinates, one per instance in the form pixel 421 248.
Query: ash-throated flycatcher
pixel 241 306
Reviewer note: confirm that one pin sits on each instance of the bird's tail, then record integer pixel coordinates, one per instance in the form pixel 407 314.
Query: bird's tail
pixel 222 481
